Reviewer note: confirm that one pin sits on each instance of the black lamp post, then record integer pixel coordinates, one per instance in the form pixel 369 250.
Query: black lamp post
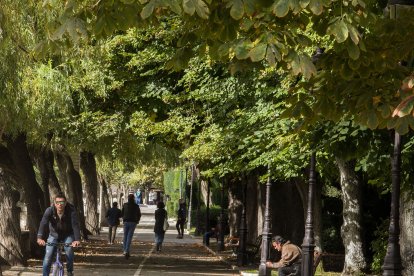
pixel 266 233
pixel 392 261
pixel 308 245
pixel 220 244
pixel 207 239
pixel 241 253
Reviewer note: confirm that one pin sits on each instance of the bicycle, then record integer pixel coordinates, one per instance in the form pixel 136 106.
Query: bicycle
pixel 58 267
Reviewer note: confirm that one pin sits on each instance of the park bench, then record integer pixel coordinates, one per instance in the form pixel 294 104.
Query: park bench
pixel 252 249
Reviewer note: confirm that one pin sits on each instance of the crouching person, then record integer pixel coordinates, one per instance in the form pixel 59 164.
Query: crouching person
pixel 291 257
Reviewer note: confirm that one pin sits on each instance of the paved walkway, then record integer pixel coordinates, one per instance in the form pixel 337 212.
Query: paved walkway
pixel 178 256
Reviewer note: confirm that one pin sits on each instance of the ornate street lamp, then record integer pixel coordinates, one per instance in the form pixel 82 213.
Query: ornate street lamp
pixel 266 233
pixel 220 244
pixel 241 253
pixel 392 261
pixel 308 245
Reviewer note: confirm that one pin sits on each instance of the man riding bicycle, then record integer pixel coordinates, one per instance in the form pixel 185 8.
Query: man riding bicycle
pixel 63 227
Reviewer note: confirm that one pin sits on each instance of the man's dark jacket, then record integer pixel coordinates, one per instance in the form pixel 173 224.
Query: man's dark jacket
pixel 60 228
pixel 131 212
pixel 113 215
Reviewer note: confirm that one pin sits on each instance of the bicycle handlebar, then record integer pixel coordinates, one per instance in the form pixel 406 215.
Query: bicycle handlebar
pixel 58 244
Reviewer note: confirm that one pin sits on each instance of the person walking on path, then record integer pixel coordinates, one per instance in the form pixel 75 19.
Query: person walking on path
pixel 181 218
pixel 131 214
pixel 291 257
pixel 160 216
pixel 63 224
pixel 113 215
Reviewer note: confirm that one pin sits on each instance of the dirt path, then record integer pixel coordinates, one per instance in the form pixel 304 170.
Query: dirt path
pixel 179 256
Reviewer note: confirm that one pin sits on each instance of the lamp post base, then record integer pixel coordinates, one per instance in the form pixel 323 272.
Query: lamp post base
pixel 263 270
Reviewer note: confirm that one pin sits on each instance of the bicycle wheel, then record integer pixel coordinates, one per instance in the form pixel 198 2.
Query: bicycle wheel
pixel 61 270
pixel 55 270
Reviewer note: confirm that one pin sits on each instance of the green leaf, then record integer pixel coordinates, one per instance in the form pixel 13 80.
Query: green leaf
pixel 294 6
pixel 199 6
pixel 402 126
pixel 307 67
pixel 304 3
pixel 148 9
pixel 295 63
pixel 189 7
pixel 237 9
pixel 339 30
pixel 353 33
pixel 174 6
pixel 392 123
pixel 281 8
pixel 258 53
pixel 354 64
pixel 385 110
pixel 372 120
pixel 353 51
pixel 346 72
pixel 316 6
pixel 223 50
pixel 242 50
pixel 270 57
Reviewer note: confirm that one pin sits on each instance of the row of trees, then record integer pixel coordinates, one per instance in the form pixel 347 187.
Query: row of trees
pixel 229 86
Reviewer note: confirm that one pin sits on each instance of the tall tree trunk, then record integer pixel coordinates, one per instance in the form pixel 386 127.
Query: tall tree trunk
pixel 45 163
pixel 63 177
pixel 252 207
pixel 351 228
pixel 10 234
pixel 190 201
pixel 74 186
pixel 88 167
pixel 407 232
pixel 235 206
pixel 203 185
pixel 105 204
pixel 32 193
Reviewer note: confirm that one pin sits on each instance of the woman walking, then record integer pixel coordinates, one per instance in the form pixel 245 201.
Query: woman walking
pixel 160 216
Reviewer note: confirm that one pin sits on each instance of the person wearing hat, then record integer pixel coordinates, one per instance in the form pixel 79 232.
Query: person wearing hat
pixel 291 257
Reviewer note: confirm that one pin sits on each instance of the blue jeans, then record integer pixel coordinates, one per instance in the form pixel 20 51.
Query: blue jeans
pixel 129 228
pixel 159 238
pixel 51 253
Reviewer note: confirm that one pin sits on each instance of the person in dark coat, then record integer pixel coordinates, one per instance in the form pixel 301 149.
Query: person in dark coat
pixel 160 215
pixel 113 215
pixel 181 218
pixel 131 214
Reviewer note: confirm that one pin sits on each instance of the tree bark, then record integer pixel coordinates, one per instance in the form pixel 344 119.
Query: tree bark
pixel 88 167
pixel 45 163
pixel 235 207
pixel 32 193
pixel 407 232
pixel 351 228
pixel 10 234
pixel 63 177
pixel 252 207
pixel 74 186
pixel 105 204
